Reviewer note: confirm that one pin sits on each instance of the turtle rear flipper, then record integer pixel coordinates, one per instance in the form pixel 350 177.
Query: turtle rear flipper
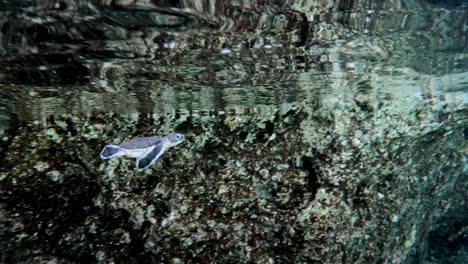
pixel 150 157
pixel 111 151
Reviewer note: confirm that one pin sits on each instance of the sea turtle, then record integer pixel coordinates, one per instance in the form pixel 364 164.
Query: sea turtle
pixel 146 149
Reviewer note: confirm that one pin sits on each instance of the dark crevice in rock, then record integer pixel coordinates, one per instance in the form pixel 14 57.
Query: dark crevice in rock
pixel 151 182
pixel 5 144
pixel 116 218
pixel 447 241
pixel 312 175
pixel 222 162
pixel 166 164
pixel 265 133
pixel 359 200
pixel 243 135
pixel 162 209
pixel 303 30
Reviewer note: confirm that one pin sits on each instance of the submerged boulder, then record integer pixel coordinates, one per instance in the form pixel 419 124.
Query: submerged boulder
pixel 348 181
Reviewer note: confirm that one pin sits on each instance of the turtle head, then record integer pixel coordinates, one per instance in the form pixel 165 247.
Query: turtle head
pixel 175 138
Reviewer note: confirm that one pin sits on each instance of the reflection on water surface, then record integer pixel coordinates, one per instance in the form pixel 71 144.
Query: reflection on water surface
pixel 86 56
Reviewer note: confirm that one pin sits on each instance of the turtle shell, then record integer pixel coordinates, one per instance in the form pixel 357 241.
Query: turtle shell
pixel 140 143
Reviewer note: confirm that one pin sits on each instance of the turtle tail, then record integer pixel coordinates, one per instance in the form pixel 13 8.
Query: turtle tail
pixel 111 151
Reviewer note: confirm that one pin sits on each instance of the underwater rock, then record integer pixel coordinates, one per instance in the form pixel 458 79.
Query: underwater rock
pixel 324 183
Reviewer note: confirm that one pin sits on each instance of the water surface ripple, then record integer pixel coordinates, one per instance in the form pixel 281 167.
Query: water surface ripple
pixel 79 56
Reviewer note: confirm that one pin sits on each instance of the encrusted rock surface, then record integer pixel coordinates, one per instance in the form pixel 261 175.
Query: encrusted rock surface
pixel 346 181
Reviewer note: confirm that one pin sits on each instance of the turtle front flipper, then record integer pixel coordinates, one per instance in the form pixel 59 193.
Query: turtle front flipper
pixel 150 156
pixel 111 151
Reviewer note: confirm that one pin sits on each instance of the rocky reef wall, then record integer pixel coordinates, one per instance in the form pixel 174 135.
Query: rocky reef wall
pixel 338 181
